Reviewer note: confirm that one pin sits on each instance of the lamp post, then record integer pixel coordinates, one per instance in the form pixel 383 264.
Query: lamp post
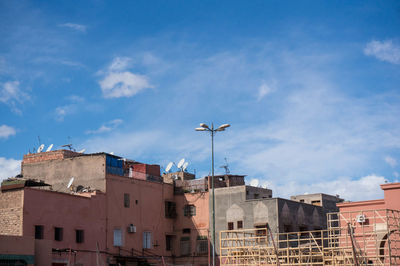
pixel 205 127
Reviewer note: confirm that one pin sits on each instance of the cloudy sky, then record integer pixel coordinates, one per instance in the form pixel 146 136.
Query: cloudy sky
pixel 311 88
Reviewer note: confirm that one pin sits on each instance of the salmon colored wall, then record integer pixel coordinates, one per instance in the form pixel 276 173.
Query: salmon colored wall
pixel 392 195
pixel 146 212
pixel 198 224
pixel 43 207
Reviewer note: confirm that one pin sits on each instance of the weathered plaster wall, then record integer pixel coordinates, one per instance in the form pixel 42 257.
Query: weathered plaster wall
pixel 88 170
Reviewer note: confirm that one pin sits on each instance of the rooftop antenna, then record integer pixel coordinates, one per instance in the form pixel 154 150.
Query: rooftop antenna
pixel 69 146
pixel 254 183
pixel 40 149
pixel 49 148
pixel 226 167
pixel 70 182
pixel 169 166
pixel 184 166
pixel 180 164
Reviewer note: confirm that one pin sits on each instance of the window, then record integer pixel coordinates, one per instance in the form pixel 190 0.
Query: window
pixel 230 226
pixel 202 246
pixel 79 236
pixel 58 234
pixel 256 195
pixel 168 242
pixel 147 240
pixel 239 224
pixel 170 209
pixel 189 210
pixel 126 200
pixel 316 202
pixel 302 200
pixel 117 238
pixel 186 231
pixel 39 229
pixel 185 245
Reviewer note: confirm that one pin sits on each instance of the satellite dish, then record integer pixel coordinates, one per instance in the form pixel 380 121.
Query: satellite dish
pixel 112 153
pixel 70 182
pixel 181 162
pixel 264 186
pixel 49 148
pixel 40 149
pixel 169 166
pixel 254 182
pixel 185 165
pixel 82 151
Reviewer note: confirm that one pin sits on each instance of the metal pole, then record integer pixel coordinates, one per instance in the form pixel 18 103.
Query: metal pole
pixel 213 195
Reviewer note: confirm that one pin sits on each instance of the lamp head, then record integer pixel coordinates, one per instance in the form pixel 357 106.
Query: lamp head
pixel 200 129
pixel 204 125
pixel 224 126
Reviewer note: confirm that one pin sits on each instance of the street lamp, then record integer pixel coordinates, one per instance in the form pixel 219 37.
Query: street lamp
pixel 205 127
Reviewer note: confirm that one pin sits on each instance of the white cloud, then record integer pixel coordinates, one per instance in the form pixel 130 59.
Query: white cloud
pixel 12 95
pixel 364 188
pixel 384 51
pixel 121 83
pixel 120 64
pixel 77 27
pixel 263 91
pixel 390 161
pixel 9 168
pixel 396 174
pixel 107 127
pixel 62 111
pixel 6 131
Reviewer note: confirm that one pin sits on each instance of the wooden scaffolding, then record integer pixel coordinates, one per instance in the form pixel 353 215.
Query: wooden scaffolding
pixel 353 238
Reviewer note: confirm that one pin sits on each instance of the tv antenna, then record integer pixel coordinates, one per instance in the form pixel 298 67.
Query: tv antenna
pixel 184 166
pixel 180 164
pixel 70 182
pixel 169 166
pixel 49 148
pixel 69 146
pixel 40 149
pixel 254 183
pixel 226 167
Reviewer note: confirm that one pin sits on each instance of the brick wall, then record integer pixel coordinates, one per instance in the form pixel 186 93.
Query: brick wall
pixel 11 210
pixel 50 155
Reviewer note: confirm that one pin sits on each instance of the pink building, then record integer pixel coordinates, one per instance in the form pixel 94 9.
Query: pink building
pixel 115 212
pixel 372 228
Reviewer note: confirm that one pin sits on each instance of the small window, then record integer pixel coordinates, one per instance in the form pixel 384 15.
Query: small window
pixel 202 246
pixel 316 202
pixel 58 234
pixel 256 195
pixel 186 231
pixel 79 236
pixel 239 224
pixel 126 200
pixel 230 226
pixel 147 240
pixel 170 209
pixel 189 210
pixel 39 229
pixel 117 238
pixel 168 242
pixel 302 200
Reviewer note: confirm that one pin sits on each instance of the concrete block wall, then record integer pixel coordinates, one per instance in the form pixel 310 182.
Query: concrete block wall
pixel 47 156
pixel 11 210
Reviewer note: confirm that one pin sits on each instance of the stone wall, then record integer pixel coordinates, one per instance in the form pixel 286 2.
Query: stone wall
pixel 11 210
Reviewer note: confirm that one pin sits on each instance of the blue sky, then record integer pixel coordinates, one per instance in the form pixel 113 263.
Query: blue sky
pixel 311 88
